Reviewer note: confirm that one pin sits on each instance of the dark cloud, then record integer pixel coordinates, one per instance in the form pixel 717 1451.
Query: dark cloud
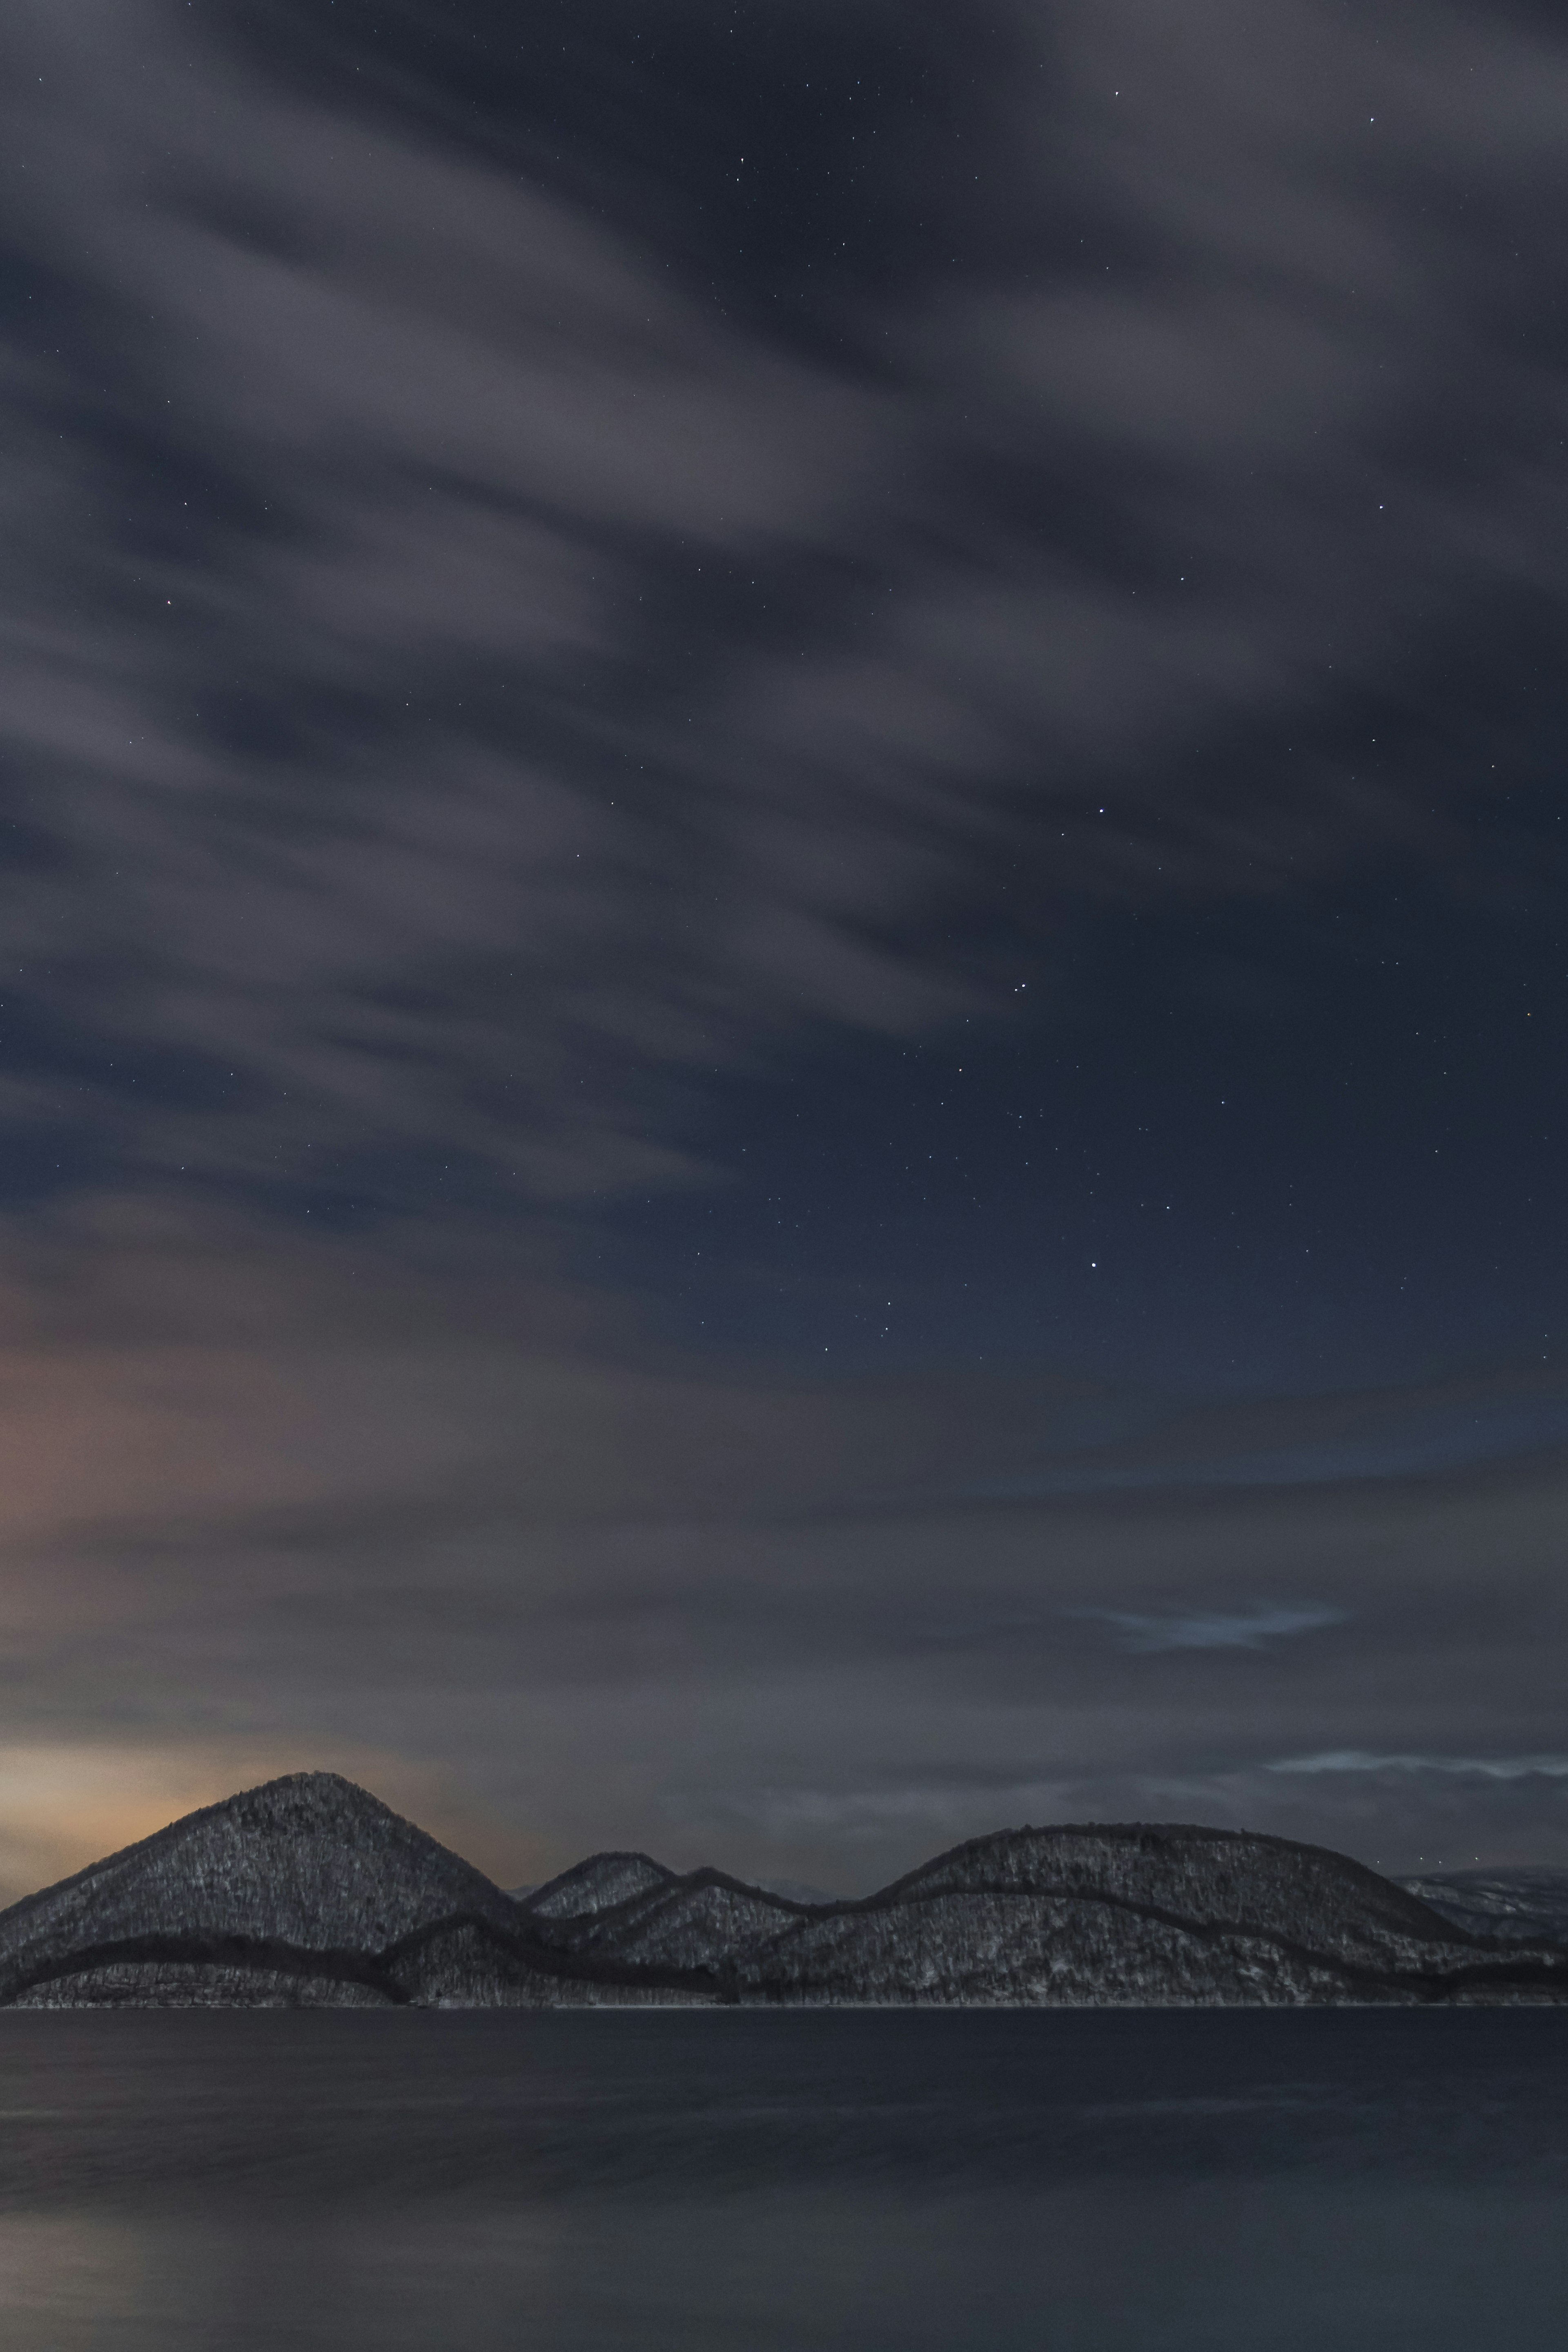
pixel 471 666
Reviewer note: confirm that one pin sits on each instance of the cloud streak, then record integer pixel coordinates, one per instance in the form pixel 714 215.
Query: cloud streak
pixel 1484 1768
pixel 1251 1627
pixel 466 680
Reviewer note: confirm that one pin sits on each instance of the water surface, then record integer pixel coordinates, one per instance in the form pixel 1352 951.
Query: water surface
pixel 679 2181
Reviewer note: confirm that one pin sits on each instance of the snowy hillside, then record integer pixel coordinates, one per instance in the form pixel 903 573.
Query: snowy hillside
pixel 1526 1903
pixel 306 1890
pixel 309 1892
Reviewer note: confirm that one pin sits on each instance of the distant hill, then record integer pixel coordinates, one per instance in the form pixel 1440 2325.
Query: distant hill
pixel 595 1885
pixel 1090 1914
pixel 793 1890
pixel 1525 1903
pixel 309 1892
pixel 705 1920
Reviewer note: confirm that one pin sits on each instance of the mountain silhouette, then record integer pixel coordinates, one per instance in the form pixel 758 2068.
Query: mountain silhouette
pixel 310 1892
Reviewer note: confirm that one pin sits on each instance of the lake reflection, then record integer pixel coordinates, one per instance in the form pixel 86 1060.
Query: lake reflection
pixel 1106 2181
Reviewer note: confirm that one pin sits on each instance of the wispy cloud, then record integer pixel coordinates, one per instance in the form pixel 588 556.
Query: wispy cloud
pixel 1484 1768
pixel 1216 1629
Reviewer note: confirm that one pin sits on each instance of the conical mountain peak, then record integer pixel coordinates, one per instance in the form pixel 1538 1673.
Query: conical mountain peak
pixel 310 1860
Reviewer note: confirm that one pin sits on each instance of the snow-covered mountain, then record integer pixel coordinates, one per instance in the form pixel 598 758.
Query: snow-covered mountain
pixel 1527 1904
pixel 1140 1913
pixel 310 1892
pixel 594 1886
pixel 1094 1915
pixel 704 1920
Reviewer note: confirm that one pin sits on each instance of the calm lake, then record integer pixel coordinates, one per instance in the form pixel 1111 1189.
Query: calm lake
pixel 878 2182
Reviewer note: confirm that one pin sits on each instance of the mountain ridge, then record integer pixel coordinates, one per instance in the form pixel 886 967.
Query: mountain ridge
pixel 1526 1903
pixel 309 1890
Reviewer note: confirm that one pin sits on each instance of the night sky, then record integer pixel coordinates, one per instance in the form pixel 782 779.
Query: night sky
pixel 784 999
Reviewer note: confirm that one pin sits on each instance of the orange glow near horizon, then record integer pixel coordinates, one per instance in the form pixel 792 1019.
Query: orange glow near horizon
pixel 63 1807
